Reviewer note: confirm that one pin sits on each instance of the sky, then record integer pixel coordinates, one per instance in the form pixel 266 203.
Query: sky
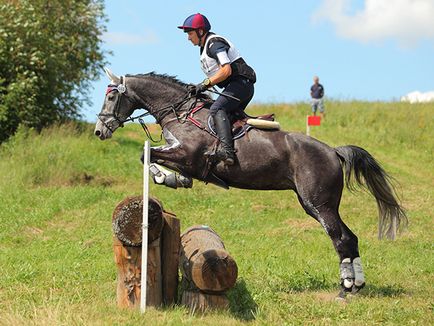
pixel 374 50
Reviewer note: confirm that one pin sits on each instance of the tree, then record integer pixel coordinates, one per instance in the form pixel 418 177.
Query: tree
pixel 50 50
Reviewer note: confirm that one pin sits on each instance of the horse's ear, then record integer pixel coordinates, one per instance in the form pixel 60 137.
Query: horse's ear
pixel 113 78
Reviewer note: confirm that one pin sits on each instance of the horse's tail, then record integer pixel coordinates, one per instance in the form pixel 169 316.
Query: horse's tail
pixel 367 171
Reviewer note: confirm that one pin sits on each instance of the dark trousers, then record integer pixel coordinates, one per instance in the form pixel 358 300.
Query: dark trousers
pixel 240 88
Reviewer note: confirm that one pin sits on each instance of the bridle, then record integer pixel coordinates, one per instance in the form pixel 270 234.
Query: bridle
pixel 121 88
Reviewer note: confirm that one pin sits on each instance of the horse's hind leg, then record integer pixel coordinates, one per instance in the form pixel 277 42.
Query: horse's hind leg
pixel 344 240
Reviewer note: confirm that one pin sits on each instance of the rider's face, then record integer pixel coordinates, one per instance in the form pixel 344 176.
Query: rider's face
pixel 193 38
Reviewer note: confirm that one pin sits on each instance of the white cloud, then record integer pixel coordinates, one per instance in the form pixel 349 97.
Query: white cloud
pixel 147 37
pixel 418 97
pixel 406 21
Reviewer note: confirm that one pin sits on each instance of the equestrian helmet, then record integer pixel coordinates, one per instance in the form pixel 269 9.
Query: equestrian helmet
pixel 195 22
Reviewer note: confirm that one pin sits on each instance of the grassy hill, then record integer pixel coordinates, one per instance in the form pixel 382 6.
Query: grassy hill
pixel 58 190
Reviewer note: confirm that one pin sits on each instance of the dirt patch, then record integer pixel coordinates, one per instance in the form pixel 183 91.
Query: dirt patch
pixel 258 208
pixel 31 230
pixel 328 297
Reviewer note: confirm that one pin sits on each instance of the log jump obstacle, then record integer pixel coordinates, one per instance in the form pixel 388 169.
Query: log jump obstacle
pixel 208 270
pixel 162 258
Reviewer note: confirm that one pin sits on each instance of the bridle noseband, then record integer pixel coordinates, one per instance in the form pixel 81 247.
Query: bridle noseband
pixel 121 89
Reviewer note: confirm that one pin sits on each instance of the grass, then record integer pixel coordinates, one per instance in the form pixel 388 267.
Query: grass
pixel 58 190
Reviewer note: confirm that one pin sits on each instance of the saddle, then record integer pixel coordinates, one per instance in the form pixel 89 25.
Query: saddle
pixel 242 123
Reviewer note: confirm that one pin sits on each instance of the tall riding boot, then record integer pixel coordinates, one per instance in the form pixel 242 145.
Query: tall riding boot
pixel 225 152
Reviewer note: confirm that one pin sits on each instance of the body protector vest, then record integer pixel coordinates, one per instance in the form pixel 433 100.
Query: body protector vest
pixel 239 67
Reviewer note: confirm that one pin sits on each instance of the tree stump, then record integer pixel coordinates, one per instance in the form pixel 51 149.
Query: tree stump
pixel 127 241
pixel 170 247
pixel 207 268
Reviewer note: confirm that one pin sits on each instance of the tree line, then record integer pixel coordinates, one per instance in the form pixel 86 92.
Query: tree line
pixel 50 51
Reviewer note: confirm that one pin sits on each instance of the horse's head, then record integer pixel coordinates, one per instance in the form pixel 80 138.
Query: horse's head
pixel 117 106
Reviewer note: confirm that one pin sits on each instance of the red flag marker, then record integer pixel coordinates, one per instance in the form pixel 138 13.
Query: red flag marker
pixel 312 120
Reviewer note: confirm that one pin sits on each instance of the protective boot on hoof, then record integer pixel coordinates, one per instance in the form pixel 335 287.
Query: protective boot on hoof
pixel 176 180
pixel 347 277
pixel 225 151
pixel 359 276
pixel 168 178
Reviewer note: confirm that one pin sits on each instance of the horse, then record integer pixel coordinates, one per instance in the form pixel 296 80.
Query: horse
pixel 265 160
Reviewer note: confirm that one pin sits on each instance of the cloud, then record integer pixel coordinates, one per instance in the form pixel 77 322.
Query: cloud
pixel 148 37
pixel 405 21
pixel 418 97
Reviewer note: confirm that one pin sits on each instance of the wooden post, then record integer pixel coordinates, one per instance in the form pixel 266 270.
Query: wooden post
pixel 170 247
pixel 207 268
pixel 127 228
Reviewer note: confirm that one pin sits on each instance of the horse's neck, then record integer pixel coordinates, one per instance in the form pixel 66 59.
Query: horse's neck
pixel 179 113
pixel 149 95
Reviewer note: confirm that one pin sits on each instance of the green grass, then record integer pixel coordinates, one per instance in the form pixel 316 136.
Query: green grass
pixel 58 190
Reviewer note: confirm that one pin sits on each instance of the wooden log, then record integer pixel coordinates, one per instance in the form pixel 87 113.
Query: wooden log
pixel 127 228
pixel 128 216
pixel 154 287
pixel 199 301
pixel 205 262
pixel 128 260
pixel 170 247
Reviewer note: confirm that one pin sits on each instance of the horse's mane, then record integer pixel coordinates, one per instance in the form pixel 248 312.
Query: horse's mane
pixel 172 80
pixel 162 77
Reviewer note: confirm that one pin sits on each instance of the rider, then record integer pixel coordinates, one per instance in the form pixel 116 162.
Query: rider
pixel 224 67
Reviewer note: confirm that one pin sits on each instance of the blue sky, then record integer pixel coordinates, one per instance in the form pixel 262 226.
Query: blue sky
pixel 360 49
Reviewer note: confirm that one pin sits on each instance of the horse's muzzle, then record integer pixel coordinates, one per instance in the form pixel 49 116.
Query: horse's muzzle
pixel 101 131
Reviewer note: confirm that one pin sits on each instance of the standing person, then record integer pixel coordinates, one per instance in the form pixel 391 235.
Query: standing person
pixel 223 65
pixel 317 94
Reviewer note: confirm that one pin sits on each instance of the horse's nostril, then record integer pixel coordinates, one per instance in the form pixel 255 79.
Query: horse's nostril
pixel 97 133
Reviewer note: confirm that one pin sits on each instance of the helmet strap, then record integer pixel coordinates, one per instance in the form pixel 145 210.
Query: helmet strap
pixel 199 37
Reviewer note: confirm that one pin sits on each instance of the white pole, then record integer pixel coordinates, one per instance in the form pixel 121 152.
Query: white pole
pixel 307 126
pixel 143 282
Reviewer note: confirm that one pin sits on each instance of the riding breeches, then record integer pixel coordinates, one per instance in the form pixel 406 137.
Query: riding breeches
pixel 240 88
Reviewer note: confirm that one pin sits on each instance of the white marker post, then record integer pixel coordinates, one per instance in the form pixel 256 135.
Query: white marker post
pixel 307 126
pixel 143 280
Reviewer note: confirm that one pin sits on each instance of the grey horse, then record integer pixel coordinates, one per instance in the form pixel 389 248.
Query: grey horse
pixel 266 160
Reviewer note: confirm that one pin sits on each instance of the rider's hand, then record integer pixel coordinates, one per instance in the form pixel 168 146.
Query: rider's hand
pixel 200 88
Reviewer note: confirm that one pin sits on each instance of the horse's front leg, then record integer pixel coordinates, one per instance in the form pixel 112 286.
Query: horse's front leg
pixel 173 156
pixel 162 176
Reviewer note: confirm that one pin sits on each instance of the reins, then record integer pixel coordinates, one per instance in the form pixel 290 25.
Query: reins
pixel 162 112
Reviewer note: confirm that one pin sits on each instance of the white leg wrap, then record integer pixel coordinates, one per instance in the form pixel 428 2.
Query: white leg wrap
pixel 358 272
pixel 347 273
pixel 163 176
pixel 159 173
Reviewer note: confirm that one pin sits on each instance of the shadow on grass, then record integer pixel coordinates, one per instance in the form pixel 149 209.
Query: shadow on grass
pixel 241 303
pixel 374 291
pixel 302 282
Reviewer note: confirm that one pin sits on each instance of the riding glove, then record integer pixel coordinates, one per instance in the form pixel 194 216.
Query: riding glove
pixel 199 88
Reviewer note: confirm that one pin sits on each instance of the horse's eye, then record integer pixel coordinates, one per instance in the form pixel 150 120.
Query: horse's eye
pixel 110 97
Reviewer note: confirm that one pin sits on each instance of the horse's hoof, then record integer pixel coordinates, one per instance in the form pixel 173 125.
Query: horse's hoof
pixel 355 289
pixel 341 295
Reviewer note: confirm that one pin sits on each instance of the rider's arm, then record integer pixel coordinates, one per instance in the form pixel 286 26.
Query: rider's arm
pixel 219 51
pixel 222 74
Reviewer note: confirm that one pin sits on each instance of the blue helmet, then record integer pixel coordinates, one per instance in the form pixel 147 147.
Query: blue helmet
pixel 194 22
